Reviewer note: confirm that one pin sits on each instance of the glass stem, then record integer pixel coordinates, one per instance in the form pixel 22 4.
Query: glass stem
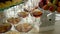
pixel 26 19
pixel 39 22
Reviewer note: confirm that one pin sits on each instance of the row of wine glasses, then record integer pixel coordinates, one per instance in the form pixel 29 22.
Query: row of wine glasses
pixel 24 14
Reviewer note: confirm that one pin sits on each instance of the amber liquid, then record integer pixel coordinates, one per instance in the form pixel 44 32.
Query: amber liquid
pixel 37 14
pixel 23 14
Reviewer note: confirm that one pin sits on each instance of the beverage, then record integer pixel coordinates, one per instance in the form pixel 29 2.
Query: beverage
pixel 37 13
pixel 23 14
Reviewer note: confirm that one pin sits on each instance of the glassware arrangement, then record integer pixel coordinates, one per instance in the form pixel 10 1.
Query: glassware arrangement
pixel 32 14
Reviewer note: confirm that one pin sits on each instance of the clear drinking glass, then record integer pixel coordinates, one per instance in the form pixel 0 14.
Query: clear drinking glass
pixel 36 17
pixel 31 24
pixel 24 16
pixel 9 13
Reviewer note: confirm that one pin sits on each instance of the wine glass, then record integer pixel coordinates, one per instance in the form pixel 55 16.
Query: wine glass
pixel 10 13
pixel 23 15
pixel 36 16
pixel 29 26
